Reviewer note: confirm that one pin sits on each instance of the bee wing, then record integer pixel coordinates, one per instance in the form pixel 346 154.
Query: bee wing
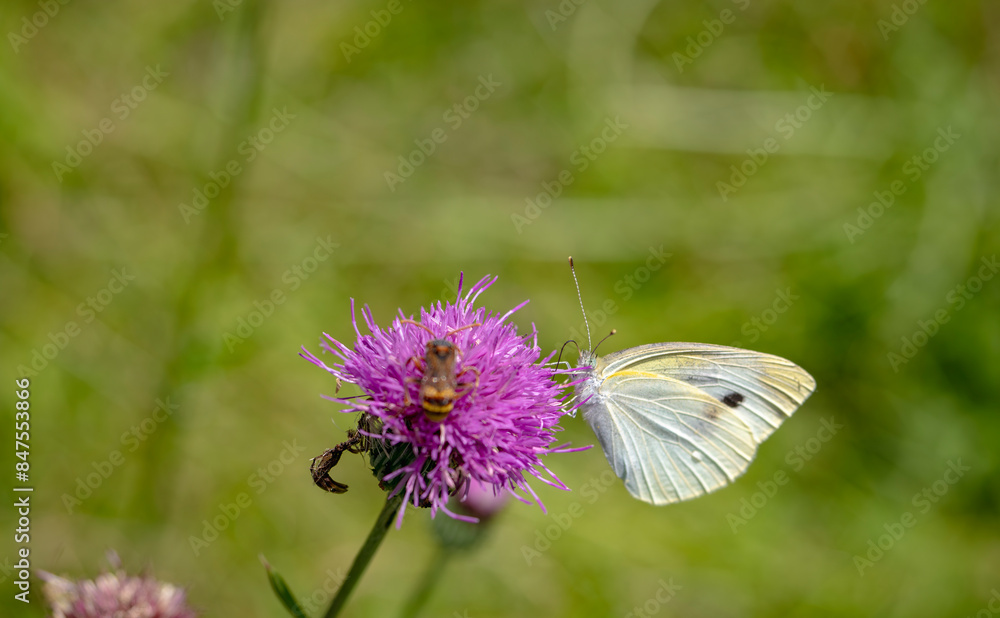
pixel 668 440
pixel 762 389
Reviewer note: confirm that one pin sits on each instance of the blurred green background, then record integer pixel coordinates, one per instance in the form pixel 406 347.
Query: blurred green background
pixel 114 116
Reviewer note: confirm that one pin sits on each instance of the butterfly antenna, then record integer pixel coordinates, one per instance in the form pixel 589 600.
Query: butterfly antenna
pixel 594 351
pixel 559 360
pixel 579 296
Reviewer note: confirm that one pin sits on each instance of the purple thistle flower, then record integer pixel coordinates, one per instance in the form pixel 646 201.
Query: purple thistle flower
pixel 483 501
pixel 504 417
pixel 114 594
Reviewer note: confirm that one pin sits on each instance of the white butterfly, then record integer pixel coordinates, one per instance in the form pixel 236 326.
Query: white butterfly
pixel 680 420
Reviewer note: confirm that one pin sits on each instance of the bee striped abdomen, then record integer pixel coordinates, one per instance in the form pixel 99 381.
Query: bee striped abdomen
pixel 437 406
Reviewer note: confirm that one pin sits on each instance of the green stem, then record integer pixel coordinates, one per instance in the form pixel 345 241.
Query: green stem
pixel 365 555
pixel 427 582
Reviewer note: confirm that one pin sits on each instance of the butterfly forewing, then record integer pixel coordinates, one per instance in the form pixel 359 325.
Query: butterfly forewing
pixel 761 389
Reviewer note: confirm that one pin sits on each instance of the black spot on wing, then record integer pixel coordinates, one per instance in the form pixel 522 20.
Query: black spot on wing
pixel 733 399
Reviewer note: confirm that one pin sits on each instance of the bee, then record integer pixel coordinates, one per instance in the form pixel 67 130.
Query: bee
pixel 439 385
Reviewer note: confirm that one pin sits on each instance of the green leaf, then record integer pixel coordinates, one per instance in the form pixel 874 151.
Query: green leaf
pixel 281 589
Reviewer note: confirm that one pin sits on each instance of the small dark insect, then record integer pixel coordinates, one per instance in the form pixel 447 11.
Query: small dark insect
pixel 733 399
pixel 356 442
pixel 322 465
pixel 439 383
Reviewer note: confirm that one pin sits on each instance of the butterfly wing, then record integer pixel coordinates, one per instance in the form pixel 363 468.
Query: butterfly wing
pixel 762 389
pixel 666 439
pixel 679 420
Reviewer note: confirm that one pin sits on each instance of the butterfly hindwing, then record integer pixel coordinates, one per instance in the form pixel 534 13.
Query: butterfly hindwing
pixel 666 439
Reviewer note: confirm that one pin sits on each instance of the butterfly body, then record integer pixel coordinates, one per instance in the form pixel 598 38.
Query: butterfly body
pixel 679 420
